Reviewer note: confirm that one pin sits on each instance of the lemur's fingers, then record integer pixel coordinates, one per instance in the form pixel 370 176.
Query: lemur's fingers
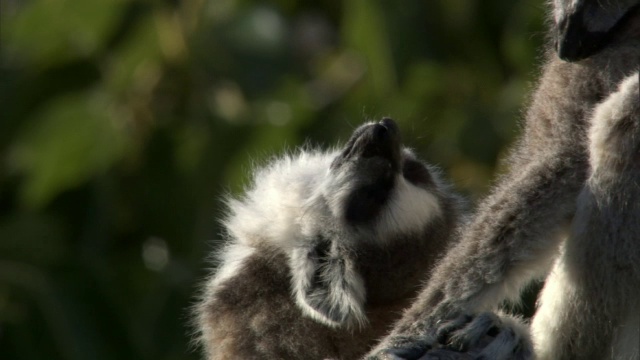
pixel 465 330
pixel 507 345
pixel 474 331
pixel 403 348
pixel 409 350
pixel 446 354
pixel 487 335
pixel 512 341
pixel 423 339
pixel 448 328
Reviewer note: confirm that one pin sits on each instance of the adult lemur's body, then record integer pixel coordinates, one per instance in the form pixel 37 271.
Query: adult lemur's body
pixel 569 208
pixel 325 250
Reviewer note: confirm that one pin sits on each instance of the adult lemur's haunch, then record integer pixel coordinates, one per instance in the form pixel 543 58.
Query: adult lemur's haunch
pixel 568 210
pixel 325 250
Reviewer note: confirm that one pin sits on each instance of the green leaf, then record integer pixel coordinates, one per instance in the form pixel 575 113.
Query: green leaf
pixel 365 32
pixel 50 32
pixel 136 65
pixel 75 138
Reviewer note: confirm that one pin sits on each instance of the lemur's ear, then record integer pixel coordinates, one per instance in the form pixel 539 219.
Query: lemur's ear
pixel 326 285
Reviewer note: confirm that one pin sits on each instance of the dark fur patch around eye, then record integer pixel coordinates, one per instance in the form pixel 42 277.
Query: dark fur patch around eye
pixel 416 173
pixel 320 254
pixel 366 202
pixel 321 250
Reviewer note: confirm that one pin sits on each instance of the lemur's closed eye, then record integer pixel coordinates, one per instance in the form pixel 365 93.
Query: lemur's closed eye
pixel 325 249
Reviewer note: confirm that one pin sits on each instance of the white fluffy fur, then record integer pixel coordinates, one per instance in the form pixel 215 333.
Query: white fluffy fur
pixel 407 208
pixel 273 207
pixel 231 260
pixel 278 207
pixel 551 302
pixel 287 203
pixel 608 113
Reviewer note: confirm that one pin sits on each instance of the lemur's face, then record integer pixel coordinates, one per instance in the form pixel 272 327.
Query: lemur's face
pixel 375 183
pixel 583 27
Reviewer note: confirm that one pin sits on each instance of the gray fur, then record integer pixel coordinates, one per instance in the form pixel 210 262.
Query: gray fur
pixel 315 268
pixel 571 201
pixel 595 282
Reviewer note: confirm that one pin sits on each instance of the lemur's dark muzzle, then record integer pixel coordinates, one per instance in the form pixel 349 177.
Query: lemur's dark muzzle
pixel 380 140
pixel 574 41
pixel 383 140
pixel 578 37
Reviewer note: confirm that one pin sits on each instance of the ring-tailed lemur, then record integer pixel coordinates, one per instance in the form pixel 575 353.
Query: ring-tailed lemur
pixel 568 210
pixel 325 250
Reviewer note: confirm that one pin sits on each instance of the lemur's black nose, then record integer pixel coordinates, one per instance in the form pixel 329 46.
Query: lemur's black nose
pixel 386 131
pixel 381 139
pixel 390 125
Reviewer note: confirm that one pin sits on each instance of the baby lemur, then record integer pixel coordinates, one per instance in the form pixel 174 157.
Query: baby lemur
pixel 325 249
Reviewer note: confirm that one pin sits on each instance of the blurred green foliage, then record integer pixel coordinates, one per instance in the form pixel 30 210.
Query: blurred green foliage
pixel 123 123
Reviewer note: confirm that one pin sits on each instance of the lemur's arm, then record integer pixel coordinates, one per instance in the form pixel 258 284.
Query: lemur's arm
pixel 511 240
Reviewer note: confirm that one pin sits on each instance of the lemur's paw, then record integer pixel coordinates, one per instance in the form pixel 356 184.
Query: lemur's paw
pixel 467 331
pixel 488 335
pixel 483 336
pixel 402 347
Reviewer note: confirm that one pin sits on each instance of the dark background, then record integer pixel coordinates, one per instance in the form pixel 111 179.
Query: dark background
pixel 123 123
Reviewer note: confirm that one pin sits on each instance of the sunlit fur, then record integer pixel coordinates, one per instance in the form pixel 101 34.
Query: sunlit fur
pixel 296 281
pixel 568 211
